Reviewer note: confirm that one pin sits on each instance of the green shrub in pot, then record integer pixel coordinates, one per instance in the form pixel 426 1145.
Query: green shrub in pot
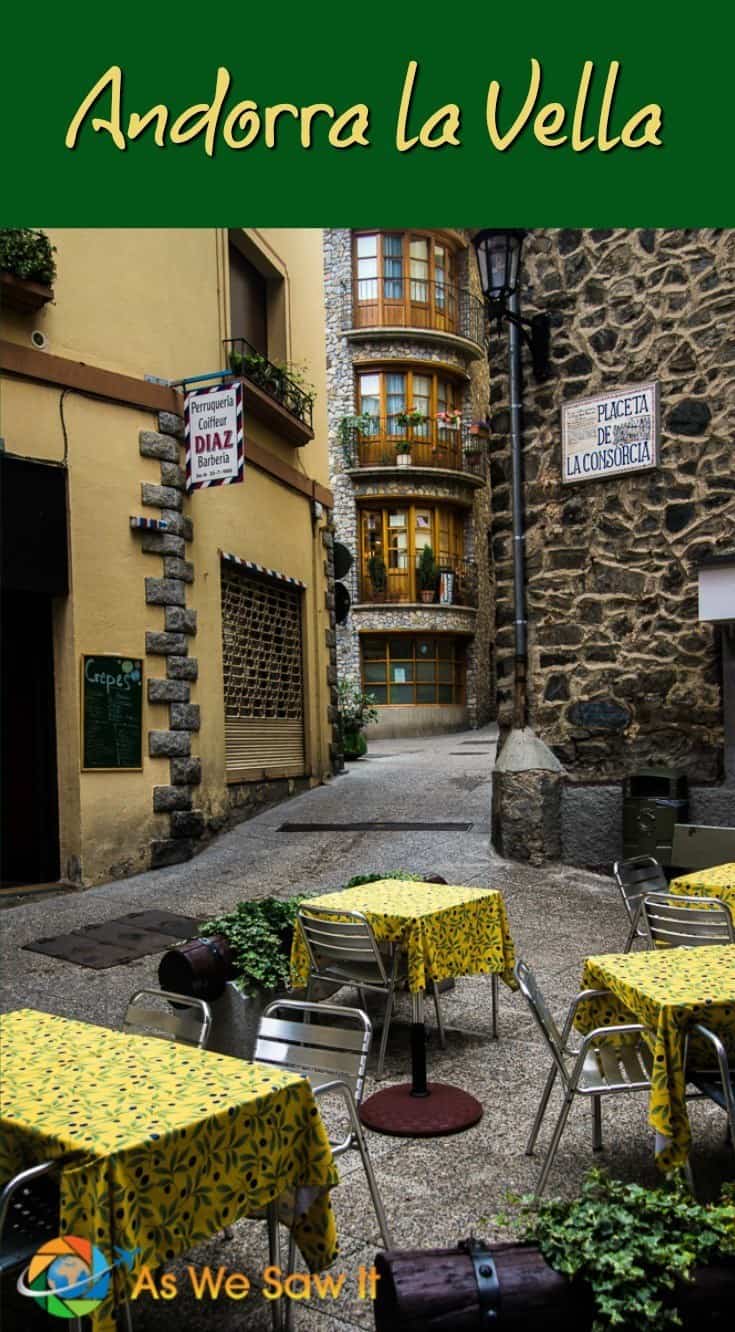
pixel 634 1249
pixel 260 934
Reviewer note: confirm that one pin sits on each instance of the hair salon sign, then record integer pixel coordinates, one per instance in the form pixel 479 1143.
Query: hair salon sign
pixel 610 434
pixel 214 436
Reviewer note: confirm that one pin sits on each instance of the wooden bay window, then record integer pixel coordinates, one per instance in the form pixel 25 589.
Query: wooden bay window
pixel 406 279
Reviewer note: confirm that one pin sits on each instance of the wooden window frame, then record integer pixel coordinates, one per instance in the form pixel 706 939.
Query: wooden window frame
pixel 435 376
pixel 457 659
pixel 455 527
pixel 383 310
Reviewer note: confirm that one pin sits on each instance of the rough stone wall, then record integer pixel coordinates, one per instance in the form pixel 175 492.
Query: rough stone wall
pixel 612 577
pixel 341 355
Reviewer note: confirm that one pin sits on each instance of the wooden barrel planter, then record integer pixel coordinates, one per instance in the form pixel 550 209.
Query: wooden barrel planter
pixel 200 968
pixel 476 1286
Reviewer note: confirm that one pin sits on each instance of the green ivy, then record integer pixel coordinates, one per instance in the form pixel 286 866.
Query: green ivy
pixel 631 1246
pixel 27 254
pixel 259 933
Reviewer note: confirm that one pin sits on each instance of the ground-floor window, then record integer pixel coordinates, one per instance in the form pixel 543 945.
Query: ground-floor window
pixel 262 660
pixel 408 669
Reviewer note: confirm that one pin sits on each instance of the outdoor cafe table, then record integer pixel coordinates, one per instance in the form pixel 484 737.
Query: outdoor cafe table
pixel 445 931
pixel 719 881
pixel 178 1142
pixel 667 990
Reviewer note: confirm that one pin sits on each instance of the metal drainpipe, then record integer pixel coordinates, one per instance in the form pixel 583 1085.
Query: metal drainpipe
pixel 519 536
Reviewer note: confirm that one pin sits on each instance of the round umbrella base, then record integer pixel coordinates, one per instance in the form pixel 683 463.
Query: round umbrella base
pixel 445 1110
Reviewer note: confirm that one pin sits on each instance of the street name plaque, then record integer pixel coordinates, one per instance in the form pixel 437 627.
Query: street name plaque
pixel 611 433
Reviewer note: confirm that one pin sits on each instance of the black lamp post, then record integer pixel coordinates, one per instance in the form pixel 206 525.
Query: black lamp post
pixel 498 253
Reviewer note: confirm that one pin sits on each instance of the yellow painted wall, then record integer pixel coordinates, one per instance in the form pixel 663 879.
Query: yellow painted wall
pixel 155 302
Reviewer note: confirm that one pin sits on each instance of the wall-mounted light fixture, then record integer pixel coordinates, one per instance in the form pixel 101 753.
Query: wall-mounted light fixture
pixel 498 251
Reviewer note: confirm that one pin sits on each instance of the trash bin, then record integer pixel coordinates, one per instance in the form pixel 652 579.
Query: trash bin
pixel 654 799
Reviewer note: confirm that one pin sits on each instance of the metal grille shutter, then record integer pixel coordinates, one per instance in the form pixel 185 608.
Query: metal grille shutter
pixel 263 676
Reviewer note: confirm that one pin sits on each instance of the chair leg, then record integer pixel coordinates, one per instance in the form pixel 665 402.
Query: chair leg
pixel 288 1303
pixel 541 1110
pixel 386 1029
pixel 494 994
pixel 274 1258
pixel 597 1123
pixel 439 1018
pixel 556 1139
pixel 358 1138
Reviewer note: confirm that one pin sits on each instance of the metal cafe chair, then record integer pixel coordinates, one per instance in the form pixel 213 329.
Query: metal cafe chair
pixel 342 947
pixel 717 1083
pixel 635 878
pixel 329 1045
pixel 600 1067
pixel 670 920
pixel 29 1215
pixel 190 1022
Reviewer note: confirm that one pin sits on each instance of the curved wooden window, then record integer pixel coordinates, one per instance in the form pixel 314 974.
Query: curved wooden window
pixel 409 669
pixel 383 399
pixel 406 279
pixel 391 541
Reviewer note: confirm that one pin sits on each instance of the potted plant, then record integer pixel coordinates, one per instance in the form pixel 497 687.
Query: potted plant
pixel 631 1250
pixel 620 1258
pixel 259 934
pixel 427 574
pixel 403 453
pixel 480 429
pixel 356 710
pixel 27 268
pixel 378 574
pixel 410 419
pixel 350 429
pixel 449 420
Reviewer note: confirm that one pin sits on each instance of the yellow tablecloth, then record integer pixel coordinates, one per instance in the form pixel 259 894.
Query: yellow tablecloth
pixel 181 1141
pixel 719 881
pixel 444 930
pixel 667 990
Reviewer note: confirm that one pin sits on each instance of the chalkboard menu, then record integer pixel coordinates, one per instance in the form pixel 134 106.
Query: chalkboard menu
pixel 112 712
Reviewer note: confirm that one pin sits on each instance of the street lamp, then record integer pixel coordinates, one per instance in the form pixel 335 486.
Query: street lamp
pixel 498 251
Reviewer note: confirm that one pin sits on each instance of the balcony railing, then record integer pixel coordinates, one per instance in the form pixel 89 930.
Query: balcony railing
pixel 456 584
pixel 380 440
pixel 246 360
pixel 383 302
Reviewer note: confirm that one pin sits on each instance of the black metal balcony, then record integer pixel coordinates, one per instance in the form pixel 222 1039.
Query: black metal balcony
pixel 246 360
pixel 383 302
pixel 380 441
pixel 396 586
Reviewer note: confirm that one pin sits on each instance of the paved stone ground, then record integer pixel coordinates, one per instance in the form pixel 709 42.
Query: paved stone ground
pixel 436 1191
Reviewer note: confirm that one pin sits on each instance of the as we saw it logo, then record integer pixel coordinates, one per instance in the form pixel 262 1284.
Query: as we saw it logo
pixel 70 1277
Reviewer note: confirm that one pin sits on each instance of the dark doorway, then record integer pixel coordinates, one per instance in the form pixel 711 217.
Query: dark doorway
pixel 34 569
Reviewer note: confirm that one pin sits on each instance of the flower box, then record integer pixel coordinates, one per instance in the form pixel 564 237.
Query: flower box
pixel 22 294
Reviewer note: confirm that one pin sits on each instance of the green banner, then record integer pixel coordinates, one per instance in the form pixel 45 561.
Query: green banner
pixel 300 114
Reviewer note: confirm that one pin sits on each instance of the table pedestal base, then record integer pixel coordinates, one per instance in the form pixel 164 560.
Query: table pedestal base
pixel 443 1111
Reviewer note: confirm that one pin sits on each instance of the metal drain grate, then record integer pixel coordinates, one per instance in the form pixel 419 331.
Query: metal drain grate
pixel 475 742
pixel 118 941
pixel 375 826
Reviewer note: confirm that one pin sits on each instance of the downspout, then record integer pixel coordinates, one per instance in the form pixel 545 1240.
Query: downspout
pixel 520 622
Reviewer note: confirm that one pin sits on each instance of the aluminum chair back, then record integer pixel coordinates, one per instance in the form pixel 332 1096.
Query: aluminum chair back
pixel 300 1037
pixel 671 920
pixel 531 992
pixel 635 878
pixel 172 1017
pixel 342 946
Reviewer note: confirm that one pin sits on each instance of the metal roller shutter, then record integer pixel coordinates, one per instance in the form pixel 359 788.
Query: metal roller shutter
pixel 263 676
